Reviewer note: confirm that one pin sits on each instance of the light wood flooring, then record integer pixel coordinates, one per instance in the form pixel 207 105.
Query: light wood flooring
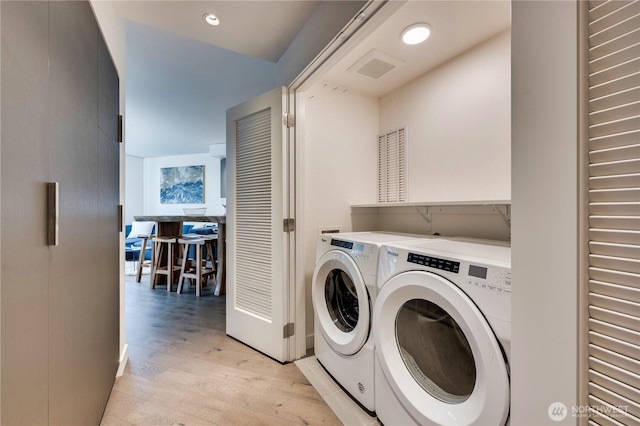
pixel 184 370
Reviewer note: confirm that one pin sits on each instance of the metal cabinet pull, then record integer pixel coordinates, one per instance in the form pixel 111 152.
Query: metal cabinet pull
pixel 52 213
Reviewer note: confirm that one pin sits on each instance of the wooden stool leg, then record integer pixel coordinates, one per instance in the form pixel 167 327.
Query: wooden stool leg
pixel 153 257
pixel 156 262
pixel 143 249
pixel 198 253
pixel 210 257
pixel 170 263
pixel 185 260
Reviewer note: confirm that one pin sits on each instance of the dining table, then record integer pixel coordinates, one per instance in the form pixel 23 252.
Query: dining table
pixel 171 226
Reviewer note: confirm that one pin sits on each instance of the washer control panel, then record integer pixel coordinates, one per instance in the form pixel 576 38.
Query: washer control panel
pixel 355 249
pixel 342 244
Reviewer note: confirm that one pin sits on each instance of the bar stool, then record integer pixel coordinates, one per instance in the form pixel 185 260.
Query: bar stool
pixel 142 262
pixel 196 268
pixel 164 260
pixel 211 249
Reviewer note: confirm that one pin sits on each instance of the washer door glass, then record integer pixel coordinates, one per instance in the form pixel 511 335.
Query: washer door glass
pixel 341 302
pixel 341 297
pixel 435 351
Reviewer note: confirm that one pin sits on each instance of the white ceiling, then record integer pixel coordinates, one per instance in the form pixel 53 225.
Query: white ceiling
pixel 262 29
pixel 182 75
pixel 456 26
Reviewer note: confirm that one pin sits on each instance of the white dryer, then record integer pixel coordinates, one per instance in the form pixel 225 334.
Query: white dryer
pixel 442 330
pixel 343 293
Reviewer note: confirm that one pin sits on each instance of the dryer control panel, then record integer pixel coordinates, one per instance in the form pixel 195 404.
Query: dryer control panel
pixel 493 279
pixel 489 278
pixel 434 262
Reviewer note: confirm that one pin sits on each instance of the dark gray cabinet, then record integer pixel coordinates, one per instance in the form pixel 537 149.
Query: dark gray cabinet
pixel 59 305
pixel 24 168
pixel 107 334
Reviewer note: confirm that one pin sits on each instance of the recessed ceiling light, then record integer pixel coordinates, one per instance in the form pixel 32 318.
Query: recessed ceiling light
pixel 416 33
pixel 211 19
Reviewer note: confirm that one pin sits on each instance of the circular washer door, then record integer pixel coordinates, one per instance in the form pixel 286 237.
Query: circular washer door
pixel 438 352
pixel 341 302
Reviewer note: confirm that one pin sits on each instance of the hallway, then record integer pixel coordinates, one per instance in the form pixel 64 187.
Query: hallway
pixel 184 370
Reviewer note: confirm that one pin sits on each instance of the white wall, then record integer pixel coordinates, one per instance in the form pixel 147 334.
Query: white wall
pixel 544 232
pixel 134 187
pixel 458 118
pixel 337 139
pixel 151 196
pixel 458 126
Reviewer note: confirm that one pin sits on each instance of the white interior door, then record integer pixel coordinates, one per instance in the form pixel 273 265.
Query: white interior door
pixel 257 202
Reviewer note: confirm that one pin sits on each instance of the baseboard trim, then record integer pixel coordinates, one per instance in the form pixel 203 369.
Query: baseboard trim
pixel 124 358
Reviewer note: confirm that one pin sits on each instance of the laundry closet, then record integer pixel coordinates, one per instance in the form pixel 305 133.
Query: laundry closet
pixel 448 100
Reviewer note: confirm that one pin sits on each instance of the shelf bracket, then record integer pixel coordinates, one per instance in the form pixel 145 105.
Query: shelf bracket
pixel 425 215
pixel 504 217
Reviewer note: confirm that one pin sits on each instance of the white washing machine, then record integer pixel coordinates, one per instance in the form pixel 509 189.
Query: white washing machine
pixel 343 293
pixel 442 330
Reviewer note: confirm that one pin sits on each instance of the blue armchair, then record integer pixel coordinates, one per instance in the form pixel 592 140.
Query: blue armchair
pixel 132 246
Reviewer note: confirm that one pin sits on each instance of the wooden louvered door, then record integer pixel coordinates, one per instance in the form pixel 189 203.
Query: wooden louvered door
pixel 614 212
pixel 258 257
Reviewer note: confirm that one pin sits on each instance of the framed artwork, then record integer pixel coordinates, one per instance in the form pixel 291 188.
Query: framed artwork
pixel 182 185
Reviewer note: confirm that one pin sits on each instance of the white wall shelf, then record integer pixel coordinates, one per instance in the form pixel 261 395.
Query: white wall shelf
pixel 470 218
pixel 436 204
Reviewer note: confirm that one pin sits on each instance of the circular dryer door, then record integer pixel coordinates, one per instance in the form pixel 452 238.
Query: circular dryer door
pixel 341 302
pixel 438 352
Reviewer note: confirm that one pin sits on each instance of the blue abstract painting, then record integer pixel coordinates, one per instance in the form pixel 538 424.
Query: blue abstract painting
pixel 182 185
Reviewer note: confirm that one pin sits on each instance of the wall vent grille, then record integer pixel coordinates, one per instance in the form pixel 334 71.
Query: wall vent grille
pixel 392 166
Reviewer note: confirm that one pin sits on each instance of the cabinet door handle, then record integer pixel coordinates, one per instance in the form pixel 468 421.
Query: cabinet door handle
pixel 52 213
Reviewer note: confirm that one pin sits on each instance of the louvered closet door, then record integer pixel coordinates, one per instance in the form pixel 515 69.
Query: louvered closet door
pixel 257 284
pixel 614 209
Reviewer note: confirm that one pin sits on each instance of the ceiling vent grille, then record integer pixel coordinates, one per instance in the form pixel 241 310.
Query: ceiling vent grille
pixel 392 166
pixel 375 64
pixel 376 68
